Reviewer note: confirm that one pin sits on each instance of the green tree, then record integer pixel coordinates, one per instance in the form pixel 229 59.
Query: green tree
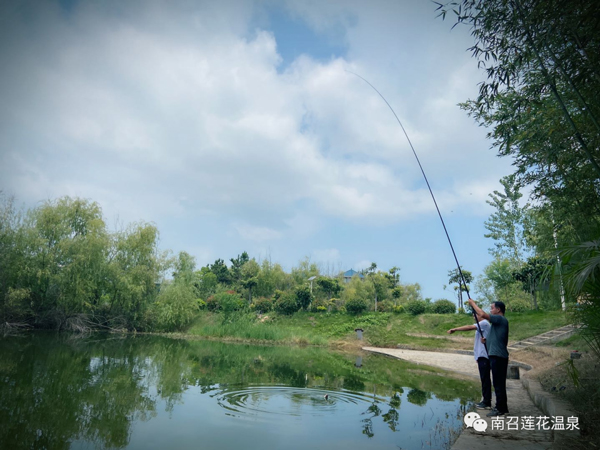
pixel 507 225
pixel 455 278
pixel 236 267
pixel 249 276
pixel 534 276
pixel 175 306
pixel 304 271
pixel 303 297
pixel 206 283
pixel 540 102
pixel 271 277
pixel 379 282
pixel 330 286
pixel 221 271
pixel 356 289
pixel 393 277
pixel 133 274
pixel 14 291
pixel 67 244
pixel 184 269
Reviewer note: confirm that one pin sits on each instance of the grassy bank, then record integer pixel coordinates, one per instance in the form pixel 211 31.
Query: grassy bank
pixel 427 331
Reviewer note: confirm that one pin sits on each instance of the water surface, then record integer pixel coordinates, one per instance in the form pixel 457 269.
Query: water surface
pixel 146 392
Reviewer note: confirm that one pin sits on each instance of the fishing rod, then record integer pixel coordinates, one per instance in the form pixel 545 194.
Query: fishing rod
pixel 432 196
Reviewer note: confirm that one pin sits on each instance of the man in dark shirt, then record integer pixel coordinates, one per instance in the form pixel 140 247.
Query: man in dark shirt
pixel 497 341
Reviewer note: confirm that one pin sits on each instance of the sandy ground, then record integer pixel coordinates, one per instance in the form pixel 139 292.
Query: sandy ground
pixel 463 364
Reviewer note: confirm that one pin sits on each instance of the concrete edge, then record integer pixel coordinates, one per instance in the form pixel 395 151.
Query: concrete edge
pixel 550 406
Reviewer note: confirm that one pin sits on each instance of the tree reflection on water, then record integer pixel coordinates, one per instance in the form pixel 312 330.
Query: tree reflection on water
pixel 59 389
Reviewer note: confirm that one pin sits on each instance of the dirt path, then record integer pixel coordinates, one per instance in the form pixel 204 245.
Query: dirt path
pixel 463 364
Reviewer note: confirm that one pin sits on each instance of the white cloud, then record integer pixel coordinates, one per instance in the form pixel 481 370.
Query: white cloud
pixel 181 113
pixel 258 234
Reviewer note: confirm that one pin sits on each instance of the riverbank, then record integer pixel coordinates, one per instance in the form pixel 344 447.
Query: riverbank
pixel 425 332
pixel 527 398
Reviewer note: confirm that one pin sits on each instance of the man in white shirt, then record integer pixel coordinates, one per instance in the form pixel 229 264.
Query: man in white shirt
pixel 483 360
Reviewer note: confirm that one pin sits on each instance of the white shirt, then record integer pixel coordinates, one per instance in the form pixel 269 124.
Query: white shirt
pixel 478 347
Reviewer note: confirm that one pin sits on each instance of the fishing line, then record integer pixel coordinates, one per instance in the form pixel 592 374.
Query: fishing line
pixel 432 196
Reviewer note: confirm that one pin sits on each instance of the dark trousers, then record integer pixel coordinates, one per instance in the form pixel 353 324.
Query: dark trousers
pixel 486 380
pixel 499 369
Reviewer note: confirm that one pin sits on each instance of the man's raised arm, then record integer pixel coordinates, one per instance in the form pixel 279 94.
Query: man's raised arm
pixel 480 312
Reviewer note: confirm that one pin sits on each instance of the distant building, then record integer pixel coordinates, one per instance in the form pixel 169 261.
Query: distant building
pixel 348 274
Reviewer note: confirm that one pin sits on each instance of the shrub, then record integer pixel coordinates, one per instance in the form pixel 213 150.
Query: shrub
pixel 174 308
pixel 399 309
pixel 443 306
pixel 416 307
pixel 337 305
pixel 303 297
pixel 286 304
pixel 225 301
pixel 518 305
pixel 356 306
pixel 385 306
pixel 262 304
pixel 321 308
pixel 201 303
pixel 319 303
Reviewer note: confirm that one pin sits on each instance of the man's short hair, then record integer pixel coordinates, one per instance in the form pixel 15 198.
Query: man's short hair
pixel 501 306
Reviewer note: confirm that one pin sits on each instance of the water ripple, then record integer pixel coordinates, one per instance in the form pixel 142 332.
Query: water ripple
pixel 263 401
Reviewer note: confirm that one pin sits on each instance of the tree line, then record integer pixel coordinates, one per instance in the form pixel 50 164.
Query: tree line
pixel 61 268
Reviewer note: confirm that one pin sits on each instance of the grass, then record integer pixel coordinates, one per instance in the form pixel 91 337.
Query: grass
pixel 245 327
pixel 426 331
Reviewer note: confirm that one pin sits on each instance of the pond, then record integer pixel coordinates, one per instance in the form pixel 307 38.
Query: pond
pixel 148 392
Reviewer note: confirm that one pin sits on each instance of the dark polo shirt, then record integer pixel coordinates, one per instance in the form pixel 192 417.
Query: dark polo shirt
pixel 497 339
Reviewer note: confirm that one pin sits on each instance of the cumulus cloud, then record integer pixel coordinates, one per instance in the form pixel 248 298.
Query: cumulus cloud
pixel 183 113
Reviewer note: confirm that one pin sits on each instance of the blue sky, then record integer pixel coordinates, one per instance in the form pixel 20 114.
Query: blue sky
pixel 233 126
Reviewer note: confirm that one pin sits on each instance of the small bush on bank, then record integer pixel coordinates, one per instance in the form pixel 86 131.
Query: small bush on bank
pixel 385 306
pixel 337 305
pixel 262 304
pixel 399 309
pixel 303 297
pixel 416 307
pixel 518 305
pixel 286 303
pixel 443 306
pixel 356 306
pixel 319 304
pixel 225 301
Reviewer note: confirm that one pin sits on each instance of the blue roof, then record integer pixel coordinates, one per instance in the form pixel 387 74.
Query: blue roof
pixel 350 273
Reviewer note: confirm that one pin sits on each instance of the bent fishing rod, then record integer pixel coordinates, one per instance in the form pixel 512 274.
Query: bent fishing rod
pixel 462 277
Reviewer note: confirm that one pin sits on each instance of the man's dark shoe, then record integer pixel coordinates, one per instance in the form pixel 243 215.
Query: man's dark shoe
pixel 495 413
pixel 483 405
